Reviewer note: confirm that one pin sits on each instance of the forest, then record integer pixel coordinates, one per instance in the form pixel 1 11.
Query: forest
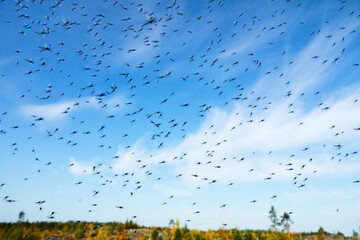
pixel 130 230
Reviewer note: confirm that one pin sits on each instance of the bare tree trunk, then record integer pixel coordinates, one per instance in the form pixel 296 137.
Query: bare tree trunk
pixel 287 227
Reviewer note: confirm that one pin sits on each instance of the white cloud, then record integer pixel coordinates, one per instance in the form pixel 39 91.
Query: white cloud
pixel 279 133
pixel 174 191
pixel 233 137
pixel 307 74
pixel 78 168
pixel 60 110
pixel 53 111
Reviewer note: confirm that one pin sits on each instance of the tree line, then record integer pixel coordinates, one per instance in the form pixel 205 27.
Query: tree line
pixel 130 230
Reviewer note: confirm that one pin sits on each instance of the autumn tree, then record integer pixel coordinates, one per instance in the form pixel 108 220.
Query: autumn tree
pixel 247 235
pixel 79 232
pixel 101 234
pixel 321 234
pixel 237 234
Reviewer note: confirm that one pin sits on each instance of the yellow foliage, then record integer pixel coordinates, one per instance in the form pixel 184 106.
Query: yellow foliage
pixel 88 236
pixel 289 236
pixel 223 234
pixel 194 232
pixel 102 234
pixel 172 232
pixel 210 235
pixel 270 235
pixel 90 226
pixel 46 233
pixel 118 236
pixel 253 235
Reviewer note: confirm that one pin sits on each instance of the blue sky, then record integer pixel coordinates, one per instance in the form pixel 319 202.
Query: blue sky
pixel 172 108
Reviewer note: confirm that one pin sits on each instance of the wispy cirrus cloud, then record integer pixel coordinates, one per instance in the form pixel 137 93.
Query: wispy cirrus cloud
pixel 60 110
pixel 79 169
pixel 253 142
pixel 244 136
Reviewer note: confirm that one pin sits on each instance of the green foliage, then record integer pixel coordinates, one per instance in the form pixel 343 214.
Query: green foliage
pixel 79 232
pixel 131 225
pixel 286 220
pixel 321 233
pixel 273 218
pixel 18 234
pixel 198 236
pixel 154 235
pixel 237 234
pixel 247 235
pixel 177 235
pixel 21 216
pixel 114 230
